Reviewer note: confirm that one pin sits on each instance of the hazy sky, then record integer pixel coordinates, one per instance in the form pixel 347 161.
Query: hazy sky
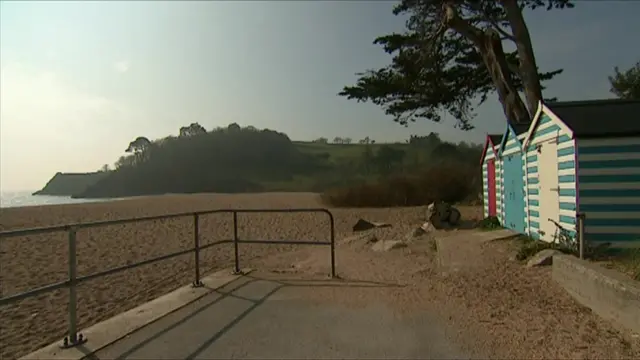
pixel 82 79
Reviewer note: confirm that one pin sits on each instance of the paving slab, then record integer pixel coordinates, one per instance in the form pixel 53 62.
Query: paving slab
pixel 110 330
pixel 258 318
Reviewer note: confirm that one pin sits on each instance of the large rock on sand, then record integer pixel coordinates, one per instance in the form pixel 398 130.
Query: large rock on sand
pixel 363 225
pixel 542 258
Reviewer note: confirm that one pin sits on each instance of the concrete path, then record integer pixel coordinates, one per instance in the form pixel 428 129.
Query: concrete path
pixel 256 318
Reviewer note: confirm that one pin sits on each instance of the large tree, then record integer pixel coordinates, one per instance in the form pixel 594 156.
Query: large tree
pixel 452 56
pixel 626 85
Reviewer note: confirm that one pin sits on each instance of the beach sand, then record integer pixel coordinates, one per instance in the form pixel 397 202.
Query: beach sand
pixel 500 309
pixel 33 261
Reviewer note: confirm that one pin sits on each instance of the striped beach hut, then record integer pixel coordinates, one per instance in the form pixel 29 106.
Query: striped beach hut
pixel 584 157
pixel 512 177
pixel 490 176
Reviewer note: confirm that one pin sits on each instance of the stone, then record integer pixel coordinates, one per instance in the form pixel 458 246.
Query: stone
pixel 363 225
pixel 542 258
pixel 427 227
pixel 414 233
pixel 419 232
pixel 387 245
pixel 454 216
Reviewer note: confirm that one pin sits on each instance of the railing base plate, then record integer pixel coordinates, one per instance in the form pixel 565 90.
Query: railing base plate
pixel 66 344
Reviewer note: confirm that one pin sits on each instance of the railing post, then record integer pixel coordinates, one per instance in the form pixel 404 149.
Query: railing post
pixel 196 249
pixel 333 246
pixel 73 338
pixel 235 243
pixel 581 217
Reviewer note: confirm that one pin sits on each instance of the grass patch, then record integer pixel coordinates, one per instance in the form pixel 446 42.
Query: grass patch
pixel 626 261
pixel 489 224
pixel 529 247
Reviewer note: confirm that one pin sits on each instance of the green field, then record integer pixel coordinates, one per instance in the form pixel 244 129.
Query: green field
pixel 342 152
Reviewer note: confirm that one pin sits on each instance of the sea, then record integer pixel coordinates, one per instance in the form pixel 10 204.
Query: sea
pixel 10 199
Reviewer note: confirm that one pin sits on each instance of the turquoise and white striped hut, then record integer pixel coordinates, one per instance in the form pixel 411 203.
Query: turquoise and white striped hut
pixel 584 157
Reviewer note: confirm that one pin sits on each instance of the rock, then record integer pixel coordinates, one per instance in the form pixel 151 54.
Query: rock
pixel 430 211
pixel 368 237
pixel 443 210
pixel 415 233
pixel 542 258
pixel 427 227
pixel 363 225
pixel 454 216
pixel 386 245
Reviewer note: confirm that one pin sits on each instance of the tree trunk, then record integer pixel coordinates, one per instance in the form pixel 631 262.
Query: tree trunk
pixel 528 67
pixel 492 52
pixel 495 60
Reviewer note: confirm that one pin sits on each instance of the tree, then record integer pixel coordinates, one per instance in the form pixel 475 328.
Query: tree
pixel 139 147
pixel 321 140
pixel 451 56
pixel 626 85
pixel 234 127
pixel 192 130
pixel 346 140
pixel 104 168
pixel 140 144
pixel 337 140
pixel 387 158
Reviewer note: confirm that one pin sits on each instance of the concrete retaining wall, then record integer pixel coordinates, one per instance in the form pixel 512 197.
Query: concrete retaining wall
pixel 607 292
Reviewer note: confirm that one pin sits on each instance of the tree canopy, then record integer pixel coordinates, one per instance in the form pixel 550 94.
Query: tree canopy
pixel 451 58
pixel 246 159
pixel 626 84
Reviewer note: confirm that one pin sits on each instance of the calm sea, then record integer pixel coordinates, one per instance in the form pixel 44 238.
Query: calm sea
pixel 24 198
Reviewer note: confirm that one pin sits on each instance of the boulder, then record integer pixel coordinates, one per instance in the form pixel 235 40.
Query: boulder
pixel 542 258
pixel 419 232
pixel 363 225
pixel 454 216
pixel 387 245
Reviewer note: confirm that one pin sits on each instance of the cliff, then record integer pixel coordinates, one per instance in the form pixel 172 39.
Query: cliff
pixel 69 184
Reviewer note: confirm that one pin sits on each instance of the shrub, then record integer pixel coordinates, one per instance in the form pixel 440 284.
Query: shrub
pixel 446 183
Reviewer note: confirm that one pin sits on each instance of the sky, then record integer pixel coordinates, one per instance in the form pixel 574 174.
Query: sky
pixel 80 80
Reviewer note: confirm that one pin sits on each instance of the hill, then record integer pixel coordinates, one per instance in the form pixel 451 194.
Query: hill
pixel 68 184
pixel 236 159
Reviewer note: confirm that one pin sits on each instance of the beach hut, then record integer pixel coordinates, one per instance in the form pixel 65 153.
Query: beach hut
pixel 584 157
pixel 490 175
pixel 512 177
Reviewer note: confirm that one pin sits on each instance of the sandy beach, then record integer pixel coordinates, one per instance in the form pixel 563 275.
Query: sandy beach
pixel 501 309
pixel 33 261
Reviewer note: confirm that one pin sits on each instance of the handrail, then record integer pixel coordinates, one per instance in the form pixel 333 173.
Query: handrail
pixel 73 337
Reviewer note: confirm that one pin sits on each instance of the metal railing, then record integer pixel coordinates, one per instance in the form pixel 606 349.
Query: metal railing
pixel 73 337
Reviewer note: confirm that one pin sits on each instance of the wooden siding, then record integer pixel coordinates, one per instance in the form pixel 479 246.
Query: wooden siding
pixel 490 154
pixel 499 191
pixel 547 129
pixel 609 189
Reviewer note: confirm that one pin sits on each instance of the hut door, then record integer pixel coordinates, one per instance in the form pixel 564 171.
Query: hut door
pixel 491 181
pixel 549 188
pixel 514 192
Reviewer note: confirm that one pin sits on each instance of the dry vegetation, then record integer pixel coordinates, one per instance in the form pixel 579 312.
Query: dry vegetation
pixel 450 183
pixel 502 309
